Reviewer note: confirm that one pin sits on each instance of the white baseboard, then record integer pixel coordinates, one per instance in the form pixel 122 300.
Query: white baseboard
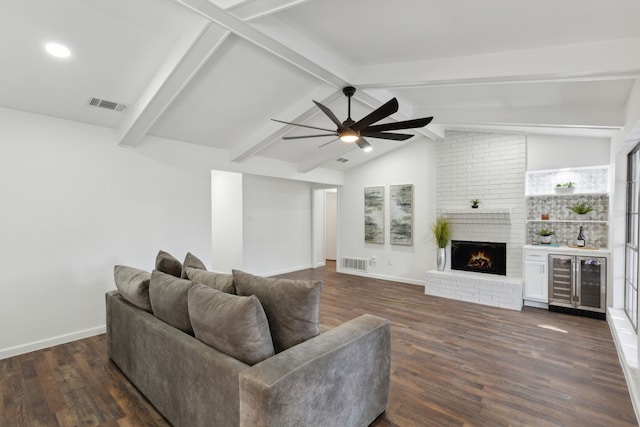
pixel 284 271
pixel 50 342
pixel 382 277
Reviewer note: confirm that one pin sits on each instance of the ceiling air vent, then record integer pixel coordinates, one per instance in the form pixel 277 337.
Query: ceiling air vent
pixel 114 106
pixel 342 160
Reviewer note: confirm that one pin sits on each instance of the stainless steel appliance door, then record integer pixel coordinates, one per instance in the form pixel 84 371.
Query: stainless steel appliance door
pixel 561 275
pixel 590 283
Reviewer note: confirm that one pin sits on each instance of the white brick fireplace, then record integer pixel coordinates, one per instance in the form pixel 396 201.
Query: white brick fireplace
pixel 489 167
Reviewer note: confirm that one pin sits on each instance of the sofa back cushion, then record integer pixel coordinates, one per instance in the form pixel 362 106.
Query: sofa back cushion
pixel 219 281
pixel 291 306
pixel 232 324
pixel 166 263
pixel 168 295
pixel 133 285
pixel 191 261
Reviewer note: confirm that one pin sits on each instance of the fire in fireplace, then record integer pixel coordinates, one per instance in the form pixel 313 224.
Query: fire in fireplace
pixel 480 257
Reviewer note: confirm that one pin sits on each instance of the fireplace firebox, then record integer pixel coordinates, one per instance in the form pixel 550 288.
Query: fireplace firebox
pixel 479 257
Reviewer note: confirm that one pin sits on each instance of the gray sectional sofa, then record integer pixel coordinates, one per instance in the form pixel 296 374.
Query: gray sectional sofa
pixel 207 370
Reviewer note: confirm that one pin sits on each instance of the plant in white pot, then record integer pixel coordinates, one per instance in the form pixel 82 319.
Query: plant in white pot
pixel 441 230
pixel 545 235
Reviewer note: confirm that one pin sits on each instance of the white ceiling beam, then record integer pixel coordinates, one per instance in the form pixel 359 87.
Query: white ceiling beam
pixel 272 131
pixel 614 59
pixel 254 9
pixel 553 116
pixel 258 38
pixel 182 64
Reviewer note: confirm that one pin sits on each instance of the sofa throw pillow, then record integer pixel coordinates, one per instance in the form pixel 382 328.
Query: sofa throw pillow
pixel 168 297
pixel 291 306
pixel 133 285
pixel 168 264
pixel 191 261
pixel 219 281
pixel 231 324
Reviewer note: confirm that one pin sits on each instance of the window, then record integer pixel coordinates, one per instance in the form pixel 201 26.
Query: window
pixel 631 246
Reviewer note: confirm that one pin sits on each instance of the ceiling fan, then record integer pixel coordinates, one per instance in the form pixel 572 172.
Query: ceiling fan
pixel 352 131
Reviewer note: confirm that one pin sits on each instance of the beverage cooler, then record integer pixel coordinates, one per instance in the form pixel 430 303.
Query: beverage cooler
pixel 577 283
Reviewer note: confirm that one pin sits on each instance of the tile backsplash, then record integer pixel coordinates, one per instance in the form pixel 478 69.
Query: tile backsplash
pixel 565 223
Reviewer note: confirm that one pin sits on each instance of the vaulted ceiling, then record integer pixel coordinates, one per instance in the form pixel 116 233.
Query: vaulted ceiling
pixel 215 72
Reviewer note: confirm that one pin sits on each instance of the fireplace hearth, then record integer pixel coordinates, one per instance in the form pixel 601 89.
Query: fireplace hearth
pixel 479 257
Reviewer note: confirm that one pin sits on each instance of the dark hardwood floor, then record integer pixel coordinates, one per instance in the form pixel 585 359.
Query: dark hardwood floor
pixel 453 364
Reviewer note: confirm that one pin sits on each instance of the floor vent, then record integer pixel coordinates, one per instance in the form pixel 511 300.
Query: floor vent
pixel 114 106
pixel 359 264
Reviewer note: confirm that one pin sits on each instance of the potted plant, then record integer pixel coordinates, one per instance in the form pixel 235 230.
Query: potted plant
pixel 441 230
pixel 582 208
pixel 566 187
pixel 475 203
pixel 545 235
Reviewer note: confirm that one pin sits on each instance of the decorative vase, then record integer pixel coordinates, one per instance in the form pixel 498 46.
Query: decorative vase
pixel 442 258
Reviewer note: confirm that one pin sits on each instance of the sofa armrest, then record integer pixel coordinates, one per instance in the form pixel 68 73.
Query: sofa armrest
pixel 338 378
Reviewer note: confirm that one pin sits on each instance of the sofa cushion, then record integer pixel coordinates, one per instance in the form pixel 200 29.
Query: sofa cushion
pixel 168 296
pixel 191 261
pixel 133 285
pixel 219 281
pixel 291 306
pixel 168 264
pixel 232 324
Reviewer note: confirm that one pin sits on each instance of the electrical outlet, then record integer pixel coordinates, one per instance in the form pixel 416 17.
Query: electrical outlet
pixel 390 262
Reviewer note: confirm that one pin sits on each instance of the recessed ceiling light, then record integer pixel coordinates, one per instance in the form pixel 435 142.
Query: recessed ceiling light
pixel 58 50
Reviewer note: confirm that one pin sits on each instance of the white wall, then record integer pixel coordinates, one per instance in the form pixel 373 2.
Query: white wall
pixel 277 225
pixel 74 205
pixel 414 163
pixel 559 152
pixel 226 221
pixel 331 223
pixel 317 226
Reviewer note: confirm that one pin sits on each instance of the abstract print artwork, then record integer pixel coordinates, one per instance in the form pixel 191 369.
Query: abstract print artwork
pixel 374 215
pixel 401 212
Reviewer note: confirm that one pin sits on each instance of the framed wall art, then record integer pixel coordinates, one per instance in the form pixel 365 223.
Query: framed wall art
pixel 401 214
pixel 374 215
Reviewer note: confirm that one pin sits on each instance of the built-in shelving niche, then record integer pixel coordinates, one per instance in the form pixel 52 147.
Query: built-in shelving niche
pixel 590 184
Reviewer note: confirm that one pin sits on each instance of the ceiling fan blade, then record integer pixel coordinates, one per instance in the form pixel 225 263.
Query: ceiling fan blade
pixel 309 136
pixel 385 110
pixel 386 135
pixel 327 143
pixel 329 114
pixel 405 124
pixel 299 124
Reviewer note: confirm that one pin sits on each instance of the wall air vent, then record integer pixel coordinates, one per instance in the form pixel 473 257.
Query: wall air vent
pixel 359 264
pixel 342 160
pixel 113 106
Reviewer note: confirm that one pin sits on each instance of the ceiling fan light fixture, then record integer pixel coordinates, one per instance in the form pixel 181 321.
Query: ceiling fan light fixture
pixel 364 145
pixel 349 135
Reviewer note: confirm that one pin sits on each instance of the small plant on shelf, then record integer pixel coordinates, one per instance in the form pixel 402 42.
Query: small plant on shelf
pixel 583 207
pixel 545 235
pixel 566 185
pixel 544 232
pixel 475 203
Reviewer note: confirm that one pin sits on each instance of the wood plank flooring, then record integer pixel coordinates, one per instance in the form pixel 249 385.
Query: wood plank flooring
pixel 453 364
